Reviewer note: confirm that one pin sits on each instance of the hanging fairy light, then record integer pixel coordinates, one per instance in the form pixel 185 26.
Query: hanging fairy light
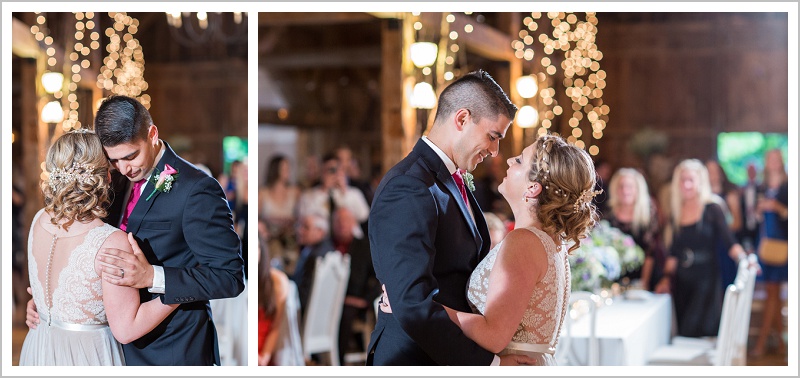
pixel 123 68
pixel 583 80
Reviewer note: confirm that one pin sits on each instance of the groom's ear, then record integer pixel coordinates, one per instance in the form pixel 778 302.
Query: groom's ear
pixel 152 134
pixel 461 117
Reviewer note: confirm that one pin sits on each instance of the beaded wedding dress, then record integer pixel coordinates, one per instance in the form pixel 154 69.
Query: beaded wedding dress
pixel 537 333
pixel 67 291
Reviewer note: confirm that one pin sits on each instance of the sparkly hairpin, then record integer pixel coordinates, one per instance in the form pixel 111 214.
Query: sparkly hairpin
pixel 78 172
pixel 585 197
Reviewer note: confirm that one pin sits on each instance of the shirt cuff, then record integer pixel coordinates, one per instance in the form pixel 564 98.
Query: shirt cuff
pixel 496 361
pixel 158 280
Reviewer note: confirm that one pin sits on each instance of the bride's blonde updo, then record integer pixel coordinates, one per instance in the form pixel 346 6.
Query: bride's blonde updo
pixel 77 180
pixel 567 176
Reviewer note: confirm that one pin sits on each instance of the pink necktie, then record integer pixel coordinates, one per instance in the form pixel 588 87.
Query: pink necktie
pixel 461 187
pixel 136 192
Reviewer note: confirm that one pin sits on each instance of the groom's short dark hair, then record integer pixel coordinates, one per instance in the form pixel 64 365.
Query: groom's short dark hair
pixel 478 92
pixel 121 119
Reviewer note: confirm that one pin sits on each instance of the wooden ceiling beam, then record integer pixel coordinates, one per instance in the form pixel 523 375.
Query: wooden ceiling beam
pixel 312 18
pixel 484 40
pixel 369 56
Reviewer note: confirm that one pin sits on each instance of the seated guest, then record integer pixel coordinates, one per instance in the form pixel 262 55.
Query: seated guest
pixel 272 292
pixel 332 193
pixel 314 241
pixel 363 287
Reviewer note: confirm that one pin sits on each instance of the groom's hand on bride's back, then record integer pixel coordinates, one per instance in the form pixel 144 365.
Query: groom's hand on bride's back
pixel 124 268
pixel 31 315
pixel 516 360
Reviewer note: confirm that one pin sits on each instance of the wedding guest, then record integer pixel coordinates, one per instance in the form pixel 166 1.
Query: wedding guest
pixel 352 171
pixel 312 172
pixel 229 183
pixel 314 240
pixel 278 198
pixel 272 294
pixel 747 228
pixel 774 210
pixel 333 192
pixel 725 193
pixel 362 286
pixel 692 269
pixel 632 210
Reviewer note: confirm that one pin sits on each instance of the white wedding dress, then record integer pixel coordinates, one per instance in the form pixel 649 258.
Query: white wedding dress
pixel 537 333
pixel 73 329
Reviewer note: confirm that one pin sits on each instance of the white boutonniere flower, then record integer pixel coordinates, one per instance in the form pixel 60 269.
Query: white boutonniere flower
pixel 469 181
pixel 162 182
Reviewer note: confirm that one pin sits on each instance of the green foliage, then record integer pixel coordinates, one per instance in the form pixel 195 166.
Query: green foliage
pixel 738 149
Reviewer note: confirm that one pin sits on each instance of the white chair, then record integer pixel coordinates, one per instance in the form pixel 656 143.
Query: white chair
pixel 321 327
pixel 363 327
pixel 230 320
pixel 289 347
pixel 581 303
pixel 729 348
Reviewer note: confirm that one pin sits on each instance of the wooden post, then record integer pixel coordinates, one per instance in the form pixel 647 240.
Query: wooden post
pixel 33 153
pixel 394 104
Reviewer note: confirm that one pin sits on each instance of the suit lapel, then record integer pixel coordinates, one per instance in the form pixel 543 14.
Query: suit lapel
pixel 143 206
pixel 436 165
pixel 482 240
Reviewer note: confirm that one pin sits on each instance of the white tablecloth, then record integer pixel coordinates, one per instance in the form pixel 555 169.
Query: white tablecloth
pixel 628 330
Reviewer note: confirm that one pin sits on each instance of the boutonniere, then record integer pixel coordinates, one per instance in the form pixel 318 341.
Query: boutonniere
pixel 162 182
pixel 469 181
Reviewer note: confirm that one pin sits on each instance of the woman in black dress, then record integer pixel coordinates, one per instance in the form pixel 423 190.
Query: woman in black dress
pixel 633 212
pixel 692 270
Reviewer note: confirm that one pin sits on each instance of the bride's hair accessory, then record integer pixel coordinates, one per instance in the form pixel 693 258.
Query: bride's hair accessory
pixel 584 199
pixel 544 167
pixel 78 172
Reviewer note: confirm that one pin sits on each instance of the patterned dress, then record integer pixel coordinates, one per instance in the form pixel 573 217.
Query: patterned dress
pixel 537 333
pixel 73 328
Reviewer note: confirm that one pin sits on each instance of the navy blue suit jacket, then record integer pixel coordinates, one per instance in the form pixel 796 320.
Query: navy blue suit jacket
pixel 424 247
pixel 189 231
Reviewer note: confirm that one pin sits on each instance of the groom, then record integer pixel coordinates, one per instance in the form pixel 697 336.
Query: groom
pixel 427 232
pixel 185 250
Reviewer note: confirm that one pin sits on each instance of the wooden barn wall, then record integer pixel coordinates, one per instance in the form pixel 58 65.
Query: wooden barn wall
pixel 218 88
pixel 693 79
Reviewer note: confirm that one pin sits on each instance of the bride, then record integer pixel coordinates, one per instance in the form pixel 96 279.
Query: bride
pixel 83 318
pixel 521 289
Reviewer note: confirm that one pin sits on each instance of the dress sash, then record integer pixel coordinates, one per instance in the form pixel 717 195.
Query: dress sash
pixel 72 326
pixel 537 348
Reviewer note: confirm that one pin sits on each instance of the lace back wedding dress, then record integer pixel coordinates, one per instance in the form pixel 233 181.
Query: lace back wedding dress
pixel 537 333
pixel 67 291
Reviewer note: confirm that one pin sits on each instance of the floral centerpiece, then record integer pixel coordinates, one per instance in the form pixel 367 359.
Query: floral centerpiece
pixel 605 256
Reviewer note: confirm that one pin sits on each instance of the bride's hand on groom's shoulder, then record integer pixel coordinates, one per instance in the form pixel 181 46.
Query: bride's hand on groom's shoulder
pixel 126 268
pixel 516 360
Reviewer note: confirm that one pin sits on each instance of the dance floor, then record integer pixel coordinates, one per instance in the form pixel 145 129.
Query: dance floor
pixel 769 359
